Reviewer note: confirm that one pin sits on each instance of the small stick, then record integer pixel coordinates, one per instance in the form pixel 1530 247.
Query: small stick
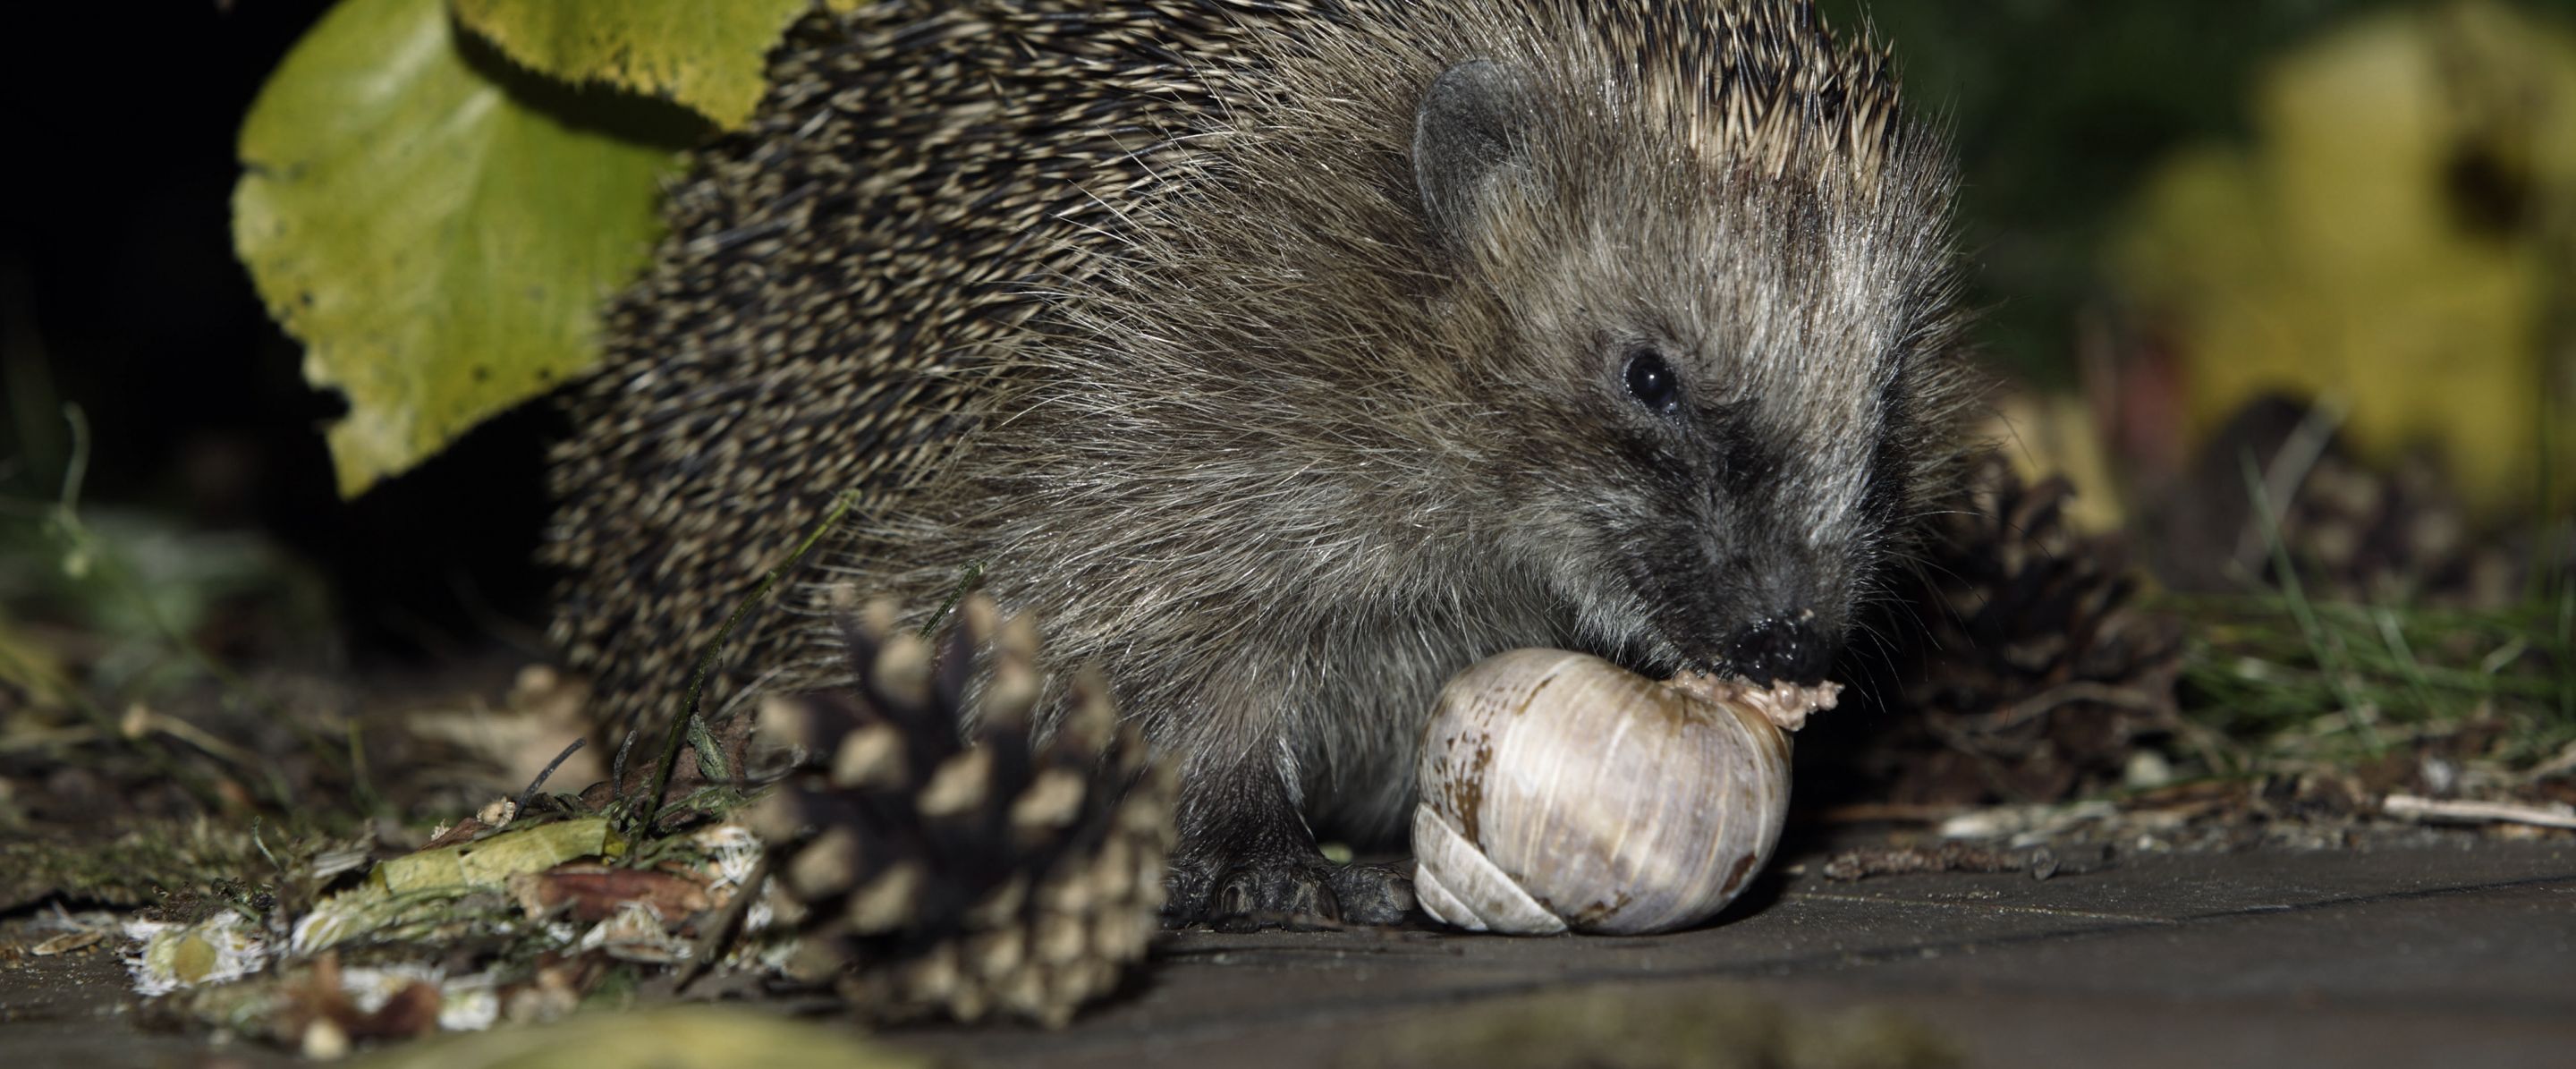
pixel 2421 808
pixel 550 768
pixel 727 922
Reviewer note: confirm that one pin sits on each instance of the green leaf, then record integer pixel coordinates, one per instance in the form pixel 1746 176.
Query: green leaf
pixel 708 55
pixel 491 862
pixel 2353 252
pixel 431 226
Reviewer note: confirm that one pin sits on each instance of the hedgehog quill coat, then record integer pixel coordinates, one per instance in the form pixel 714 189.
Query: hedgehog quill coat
pixel 1284 358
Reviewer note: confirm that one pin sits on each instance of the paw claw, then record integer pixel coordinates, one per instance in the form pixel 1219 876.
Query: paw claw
pixel 1295 893
pixel 1263 896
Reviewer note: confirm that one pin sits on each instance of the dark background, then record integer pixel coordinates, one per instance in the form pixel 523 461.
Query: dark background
pixel 120 292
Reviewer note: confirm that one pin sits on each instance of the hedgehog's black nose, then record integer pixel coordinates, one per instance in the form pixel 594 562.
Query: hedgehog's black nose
pixel 1787 647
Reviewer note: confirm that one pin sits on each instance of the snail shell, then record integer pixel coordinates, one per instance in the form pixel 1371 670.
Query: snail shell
pixel 1561 791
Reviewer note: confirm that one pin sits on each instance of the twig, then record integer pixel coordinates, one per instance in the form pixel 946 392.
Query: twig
pixel 728 923
pixel 2064 694
pixel 549 770
pixel 2420 808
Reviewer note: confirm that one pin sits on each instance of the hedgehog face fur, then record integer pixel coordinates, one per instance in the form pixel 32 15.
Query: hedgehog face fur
pixel 1730 403
pixel 1285 358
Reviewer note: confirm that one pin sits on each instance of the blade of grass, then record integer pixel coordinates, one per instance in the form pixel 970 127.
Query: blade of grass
pixel 687 722
pixel 2268 519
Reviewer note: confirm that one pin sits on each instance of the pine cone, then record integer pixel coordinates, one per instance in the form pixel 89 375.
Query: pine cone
pixel 931 876
pixel 2394 537
pixel 2028 674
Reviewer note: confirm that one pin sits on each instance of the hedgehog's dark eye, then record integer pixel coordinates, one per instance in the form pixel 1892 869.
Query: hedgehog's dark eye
pixel 1651 381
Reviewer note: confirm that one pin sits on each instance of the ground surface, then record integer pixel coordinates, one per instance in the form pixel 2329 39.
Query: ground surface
pixel 2459 954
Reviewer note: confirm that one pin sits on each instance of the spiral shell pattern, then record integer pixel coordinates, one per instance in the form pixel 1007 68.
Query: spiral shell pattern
pixel 1562 792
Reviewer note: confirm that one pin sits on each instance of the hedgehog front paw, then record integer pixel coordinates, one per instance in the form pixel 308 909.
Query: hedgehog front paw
pixel 1374 894
pixel 1274 893
pixel 1245 890
pixel 1296 893
pixel 1246 861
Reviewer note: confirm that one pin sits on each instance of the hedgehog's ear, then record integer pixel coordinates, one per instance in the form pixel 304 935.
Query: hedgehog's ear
pixel 1466 133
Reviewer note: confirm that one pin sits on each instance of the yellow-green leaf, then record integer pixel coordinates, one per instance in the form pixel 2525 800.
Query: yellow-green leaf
pixel 707 55
pixel 491 862
pixel 2397 239
pixel 441 245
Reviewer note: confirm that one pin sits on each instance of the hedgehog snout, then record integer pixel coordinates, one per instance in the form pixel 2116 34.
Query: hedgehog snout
pixel 1782 647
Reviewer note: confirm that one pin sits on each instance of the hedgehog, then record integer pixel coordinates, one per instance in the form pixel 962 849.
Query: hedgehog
pixel 1284 357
